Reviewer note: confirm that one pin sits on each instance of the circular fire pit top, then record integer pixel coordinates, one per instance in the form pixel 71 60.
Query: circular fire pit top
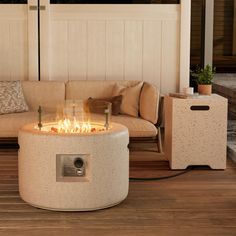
pixel 48 128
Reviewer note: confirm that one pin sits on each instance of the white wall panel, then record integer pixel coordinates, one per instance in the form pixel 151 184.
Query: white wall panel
pixel 170 56
pixel 152 45
pixel 78 42
pixel 110 42
pixel 5 71
pixel 133 50
pixel 115 50
pixel 13 42
pixel 96 50
pixel 77 50
pixel 59 50
pixel 18 50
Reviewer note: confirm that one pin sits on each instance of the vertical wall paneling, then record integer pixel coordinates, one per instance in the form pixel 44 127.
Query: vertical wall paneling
pixel 18 50
pixel 58 51
pixel 133 50
pixel 96 50
pixel 234 30
pixel 185 22
pixel 152 42
pixel 115 50
pixel 32 40
pixel 208 54
pixel 117 42
pixel 77 50
pixel 170 56
pixel 5 71
pixel 45 37
pixel 13 42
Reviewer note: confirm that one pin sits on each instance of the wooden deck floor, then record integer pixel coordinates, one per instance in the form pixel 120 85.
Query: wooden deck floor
pixel 200 202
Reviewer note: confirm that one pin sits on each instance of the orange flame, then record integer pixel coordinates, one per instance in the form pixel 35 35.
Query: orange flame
pixel 68 126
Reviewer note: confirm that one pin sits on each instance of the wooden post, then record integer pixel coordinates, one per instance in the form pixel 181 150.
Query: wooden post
pixel 234 30
pixel 32 39
pixel 185 18
pixel 209 23
pixel 44 39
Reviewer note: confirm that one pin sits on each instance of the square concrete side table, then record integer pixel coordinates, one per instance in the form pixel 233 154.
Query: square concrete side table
pixel 196 131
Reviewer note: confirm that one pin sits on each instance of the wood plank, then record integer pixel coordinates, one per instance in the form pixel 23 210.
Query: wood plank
pixel 32 42
pixel 202 201
pixel 115 50
pixel 133 50
pixel 59 51
pixel 45 36
pixel 114 45
pixel 19 47
pixel 170 64
pixel 96 50
pixel 5 71
pixel 130 12
pixel 234 30
pixel 77 51
pixel 152 52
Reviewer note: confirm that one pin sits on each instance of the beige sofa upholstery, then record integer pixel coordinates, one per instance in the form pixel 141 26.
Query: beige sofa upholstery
pixel 46 94
pixel 49 94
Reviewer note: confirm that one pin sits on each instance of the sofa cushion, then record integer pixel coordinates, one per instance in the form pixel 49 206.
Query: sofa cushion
pixel 10 124
pixel 48 94
pixel 137 127
pixel 11 97
pixel 83 89
pixel 130 100
pixel 149 101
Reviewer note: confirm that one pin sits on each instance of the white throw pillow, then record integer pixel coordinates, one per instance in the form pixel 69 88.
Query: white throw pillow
pixel 11 97
pixel 130 99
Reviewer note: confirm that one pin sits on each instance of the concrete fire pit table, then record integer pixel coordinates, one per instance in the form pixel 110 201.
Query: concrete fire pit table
pixel 71 171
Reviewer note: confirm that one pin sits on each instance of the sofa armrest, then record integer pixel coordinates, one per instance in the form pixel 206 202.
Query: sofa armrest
pixel 149 103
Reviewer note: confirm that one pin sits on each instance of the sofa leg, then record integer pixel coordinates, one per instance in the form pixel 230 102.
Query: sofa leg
pixel 159 142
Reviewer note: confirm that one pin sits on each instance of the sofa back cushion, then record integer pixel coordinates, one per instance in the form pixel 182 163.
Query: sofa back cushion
pixel 149 102
pixel 84 89
pixel 48 94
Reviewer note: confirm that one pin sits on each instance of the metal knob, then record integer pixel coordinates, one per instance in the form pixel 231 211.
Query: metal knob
pixel 79 163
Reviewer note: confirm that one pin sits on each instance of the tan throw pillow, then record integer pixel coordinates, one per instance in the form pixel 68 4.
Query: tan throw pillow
pixel 130 100
pixel 11 97
pixel 98 105
pixel 149 101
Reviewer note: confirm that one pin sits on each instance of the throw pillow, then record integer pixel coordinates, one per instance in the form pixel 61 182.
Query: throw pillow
pixel 11 97
pixel 130 101
pixel 98 105
pixel 149 95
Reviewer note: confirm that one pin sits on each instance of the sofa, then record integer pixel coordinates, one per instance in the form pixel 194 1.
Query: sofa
pixel 49 94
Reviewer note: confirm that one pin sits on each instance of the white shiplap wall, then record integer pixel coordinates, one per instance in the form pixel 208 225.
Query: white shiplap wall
pixel 13 42
pixel 107 42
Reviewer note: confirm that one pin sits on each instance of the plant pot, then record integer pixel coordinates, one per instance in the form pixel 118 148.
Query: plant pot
pixel 205 89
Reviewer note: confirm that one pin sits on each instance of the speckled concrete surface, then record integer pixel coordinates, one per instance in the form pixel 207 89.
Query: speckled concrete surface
pixel 108 179
pixel 196 137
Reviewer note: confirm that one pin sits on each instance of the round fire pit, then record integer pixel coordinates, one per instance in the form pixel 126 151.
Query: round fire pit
pixel 73 171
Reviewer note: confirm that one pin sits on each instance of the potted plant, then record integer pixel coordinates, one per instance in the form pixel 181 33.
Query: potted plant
pixel 204 77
